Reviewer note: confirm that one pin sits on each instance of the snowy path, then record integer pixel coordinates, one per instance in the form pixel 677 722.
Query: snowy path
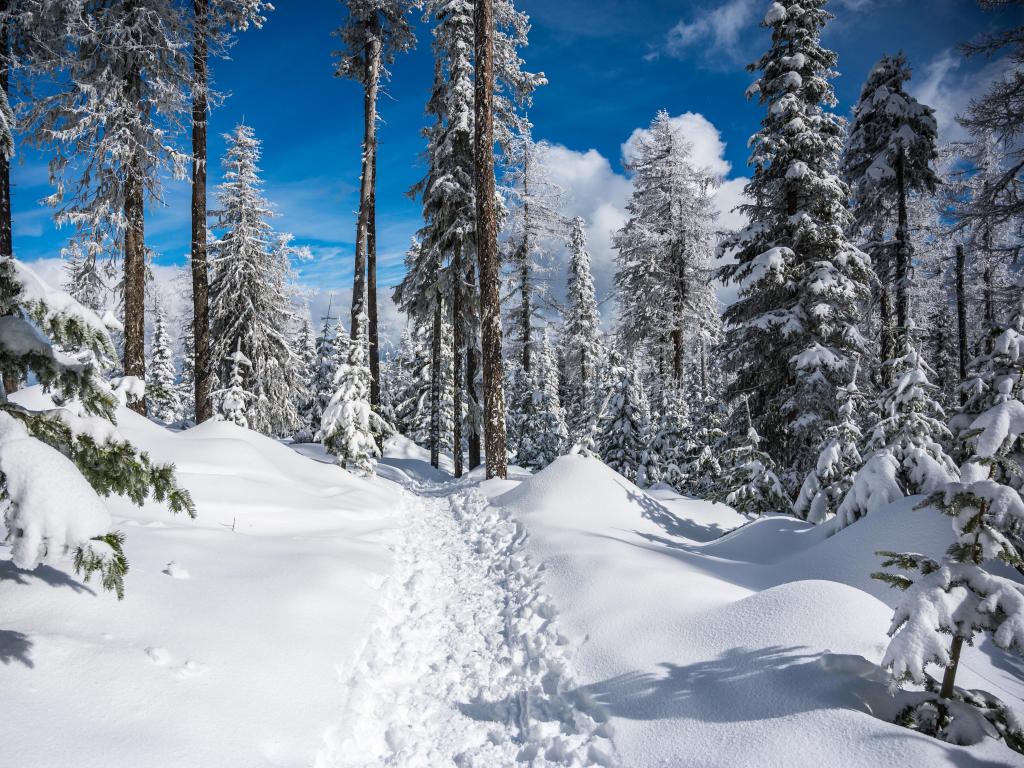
pixel 465 666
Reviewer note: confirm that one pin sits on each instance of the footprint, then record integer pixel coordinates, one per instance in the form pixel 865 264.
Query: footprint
pixel 159 656
pixel 176 571
pixel 191 669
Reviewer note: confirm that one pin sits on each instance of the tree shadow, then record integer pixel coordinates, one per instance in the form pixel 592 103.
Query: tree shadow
pixel 45 574
pixel 653 510
pixel 15 646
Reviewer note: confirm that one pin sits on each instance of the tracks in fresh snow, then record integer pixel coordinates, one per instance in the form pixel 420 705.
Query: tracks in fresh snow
pixel 465 666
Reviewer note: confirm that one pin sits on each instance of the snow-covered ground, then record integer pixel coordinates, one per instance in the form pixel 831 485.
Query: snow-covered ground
pixel 311 618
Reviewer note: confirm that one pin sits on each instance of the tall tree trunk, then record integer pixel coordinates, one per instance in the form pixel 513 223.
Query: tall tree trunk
pixel 435 388
pixel 526 310
pixel 135 260
pixel 961 317
pixel 902 251
pixel 11 380
pixel 203 366
pixel 487 239
pixel 472 400
pixel 371 81
pixel 371 289
pixel 457 382
pixel 678 347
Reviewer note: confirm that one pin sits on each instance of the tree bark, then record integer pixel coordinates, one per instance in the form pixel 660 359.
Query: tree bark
pixel 472 400
pixel 961 317
pixel 487 239
pixel 135 260
pixel 902 251
pixel 371 81
pixel 457 382
pixel 526 316
pixel 949 676
pixel 203 366
pixel 435 389
pixel 371 288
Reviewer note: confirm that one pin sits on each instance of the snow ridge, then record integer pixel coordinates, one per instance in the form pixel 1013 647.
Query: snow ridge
pixel 465 666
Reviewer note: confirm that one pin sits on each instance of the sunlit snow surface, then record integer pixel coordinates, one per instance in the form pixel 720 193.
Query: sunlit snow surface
pixel 261 633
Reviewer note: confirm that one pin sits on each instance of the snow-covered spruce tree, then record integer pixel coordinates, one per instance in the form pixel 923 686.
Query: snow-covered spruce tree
pixel 663 273
pixel 904 448
pixel 792 332
pixel 995 377
pixel 449 206
pixel 214 24
pixel 580 338
pixel 533 222
pixel 321 381
pixel 351 429
pixel 306 368
pixel 250 310
pixel 890 153
pixel 235 400
pixel 958 596
pixel 111 121
pixel 826 485
pixel 56 464
pixel 412 398
pixel 161 379
pixel 187 379
pixel 665 459
pixel 543 436
pixel 623 426
pixel 374 33
pixel 751 484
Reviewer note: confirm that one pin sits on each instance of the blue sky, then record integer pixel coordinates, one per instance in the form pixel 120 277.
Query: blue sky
pixel 611 65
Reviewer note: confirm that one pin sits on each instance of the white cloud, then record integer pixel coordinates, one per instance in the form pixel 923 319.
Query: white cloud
pixel 715 31
pixel 946 85
pixel 708 149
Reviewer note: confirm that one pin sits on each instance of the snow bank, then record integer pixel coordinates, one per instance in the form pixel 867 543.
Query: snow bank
pixel 228 646
pixel 760 647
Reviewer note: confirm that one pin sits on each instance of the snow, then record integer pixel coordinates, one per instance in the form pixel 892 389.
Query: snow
pixel 766 639
pixel 309 617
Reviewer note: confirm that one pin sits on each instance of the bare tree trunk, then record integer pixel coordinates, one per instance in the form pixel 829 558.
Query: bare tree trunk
pixel 435 389
pixel 949 676
pixel 135 261
pixel 11 381
pixel 902 252
pixel 371 81
pixel 526 311
pixel 371 289
pixel 457 382
pixel 677 355
pixel 203 366
pixel 961 317
pixel 487 239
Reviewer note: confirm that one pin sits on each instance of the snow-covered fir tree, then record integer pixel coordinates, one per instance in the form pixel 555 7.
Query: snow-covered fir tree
pixel 663 261
pixel 161 379
pixel 250 261
pixel 665 458
pixel 236 402
pixel 905 447
pixel 581 350
pixel 84 278
pixel 890 154
pixel 412 396
pixel 350 429
pixel 752 486
pixel 56 465
pixel 826 485
pixel 947 602
pixel 793 331
pixel 542 434
pixel 623 426
pixel 306 368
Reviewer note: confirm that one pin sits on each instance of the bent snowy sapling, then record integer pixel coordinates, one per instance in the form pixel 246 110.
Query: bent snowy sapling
pixel 962 594
pixel 56 463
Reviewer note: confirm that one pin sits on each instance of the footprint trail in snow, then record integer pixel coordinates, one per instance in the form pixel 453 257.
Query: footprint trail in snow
pixel 465 666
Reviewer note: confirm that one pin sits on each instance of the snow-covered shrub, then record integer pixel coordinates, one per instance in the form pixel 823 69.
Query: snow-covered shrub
pixel 55 464
pixel 753 487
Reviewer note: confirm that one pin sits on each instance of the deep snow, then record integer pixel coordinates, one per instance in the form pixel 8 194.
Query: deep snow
pixel 309 617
